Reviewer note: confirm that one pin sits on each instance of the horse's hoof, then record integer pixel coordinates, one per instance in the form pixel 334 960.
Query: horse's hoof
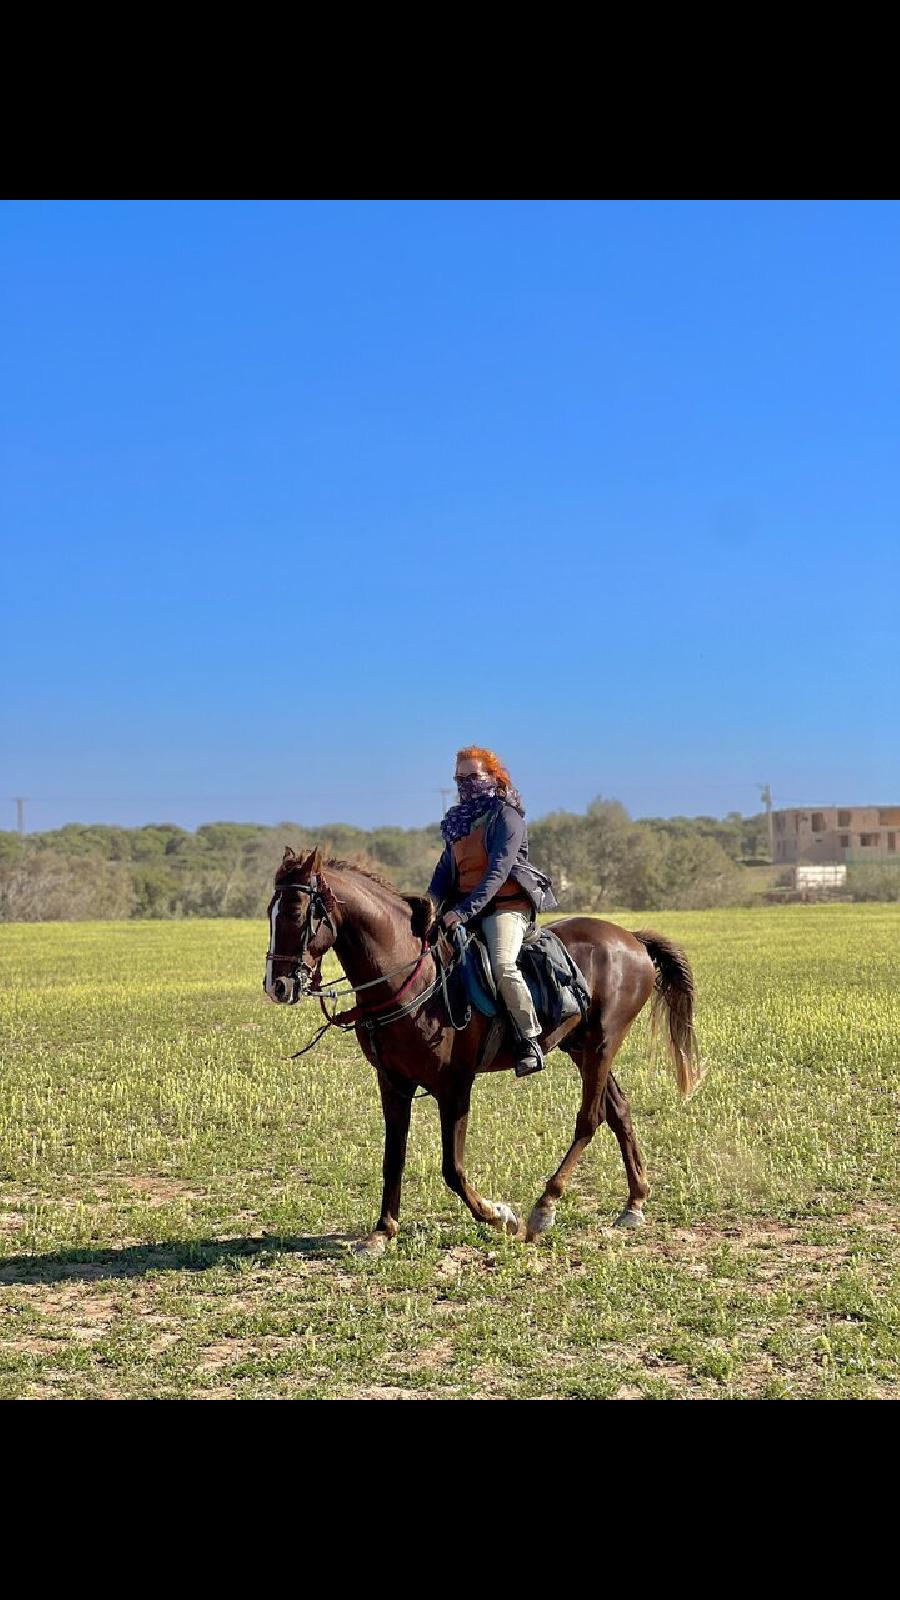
pixel 505 1218
pixel 541 1221
pixel 629 1218
pixel 373 1247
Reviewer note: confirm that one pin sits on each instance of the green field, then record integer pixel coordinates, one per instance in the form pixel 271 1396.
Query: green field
pixel 178 1199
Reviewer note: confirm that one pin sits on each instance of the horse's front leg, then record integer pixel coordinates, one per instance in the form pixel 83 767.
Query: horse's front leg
pixel 454 1102
pixel 397 1106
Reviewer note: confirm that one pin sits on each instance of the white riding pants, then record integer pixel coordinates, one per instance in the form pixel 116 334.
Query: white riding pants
pixel 503 935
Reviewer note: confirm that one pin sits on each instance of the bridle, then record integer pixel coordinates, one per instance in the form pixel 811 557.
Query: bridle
pixel 306 975
pixel 317 912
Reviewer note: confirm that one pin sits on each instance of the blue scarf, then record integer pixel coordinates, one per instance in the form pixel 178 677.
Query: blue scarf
pixel 478 797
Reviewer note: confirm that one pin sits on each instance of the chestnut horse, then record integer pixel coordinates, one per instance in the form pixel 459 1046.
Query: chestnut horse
pixel 402 1027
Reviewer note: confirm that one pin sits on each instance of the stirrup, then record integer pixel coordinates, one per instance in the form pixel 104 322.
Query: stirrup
pixel 529 1059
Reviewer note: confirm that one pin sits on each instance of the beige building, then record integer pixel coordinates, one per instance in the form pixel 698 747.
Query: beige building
pixel 837 833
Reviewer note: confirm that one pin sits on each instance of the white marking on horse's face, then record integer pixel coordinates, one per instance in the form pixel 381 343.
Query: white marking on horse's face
pixel 272 921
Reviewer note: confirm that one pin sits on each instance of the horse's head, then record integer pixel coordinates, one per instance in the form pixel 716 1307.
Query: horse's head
pixel 302 926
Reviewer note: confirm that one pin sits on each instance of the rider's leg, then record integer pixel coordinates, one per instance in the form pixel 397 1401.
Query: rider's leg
pixel 503 935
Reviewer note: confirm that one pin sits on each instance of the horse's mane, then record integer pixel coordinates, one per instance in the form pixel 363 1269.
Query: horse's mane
pixel 420 904
pixel 367 872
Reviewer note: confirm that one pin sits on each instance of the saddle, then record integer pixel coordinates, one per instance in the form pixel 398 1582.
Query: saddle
pixel 557 985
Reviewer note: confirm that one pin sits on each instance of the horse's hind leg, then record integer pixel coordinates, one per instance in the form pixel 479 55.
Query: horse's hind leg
pixel 593 1063
pixel 397 1107
pixel 453 1103
pixel 618 1115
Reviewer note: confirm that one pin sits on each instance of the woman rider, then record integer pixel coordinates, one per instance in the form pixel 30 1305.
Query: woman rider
pixel 484 874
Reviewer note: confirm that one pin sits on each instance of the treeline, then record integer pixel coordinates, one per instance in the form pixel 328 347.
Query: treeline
pixel 225 869
pixel 604 858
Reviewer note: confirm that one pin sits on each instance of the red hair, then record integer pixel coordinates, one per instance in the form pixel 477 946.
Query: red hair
pixel 490 761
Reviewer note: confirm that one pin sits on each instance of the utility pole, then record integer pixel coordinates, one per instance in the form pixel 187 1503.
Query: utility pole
pixel 20 811
pixel 443 794
pixel 765 793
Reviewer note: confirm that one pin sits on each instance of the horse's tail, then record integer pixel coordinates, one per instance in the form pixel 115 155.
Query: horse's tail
pixel 674 995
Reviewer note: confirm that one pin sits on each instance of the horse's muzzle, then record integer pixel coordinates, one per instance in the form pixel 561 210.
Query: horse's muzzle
pixel 285 991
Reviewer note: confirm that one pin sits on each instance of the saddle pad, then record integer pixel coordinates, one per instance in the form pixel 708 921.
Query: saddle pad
pixel 478 977
pixel 556 984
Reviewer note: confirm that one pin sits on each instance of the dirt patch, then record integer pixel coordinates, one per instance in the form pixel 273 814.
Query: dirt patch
pixel 32 1346
pixel 218 1355
pixel 439 1354
pixel 50 1300
pixel 94 1308
pixel 162 1342
pixel 79 1315
pixel 763 1234
pixel 661 1367
pixel 229 1351
pixel 455 1261
pixel 384 1391
pixel 159 1191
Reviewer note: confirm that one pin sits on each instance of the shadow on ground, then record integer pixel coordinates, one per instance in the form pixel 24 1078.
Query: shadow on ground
pixel 181 1255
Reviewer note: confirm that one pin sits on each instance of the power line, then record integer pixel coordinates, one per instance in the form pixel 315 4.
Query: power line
pixel 306 793
pixel 333 796
pixel 210 799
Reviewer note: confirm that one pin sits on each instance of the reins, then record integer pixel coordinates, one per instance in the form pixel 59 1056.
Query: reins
pixel 349 1019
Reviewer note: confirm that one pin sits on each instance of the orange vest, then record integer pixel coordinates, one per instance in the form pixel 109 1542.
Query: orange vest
pixel 472 861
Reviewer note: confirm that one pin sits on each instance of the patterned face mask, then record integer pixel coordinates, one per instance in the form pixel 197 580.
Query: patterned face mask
pixel 472 787
pixel 475 796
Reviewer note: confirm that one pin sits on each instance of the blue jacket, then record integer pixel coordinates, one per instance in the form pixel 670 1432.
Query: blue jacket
pixel 506 842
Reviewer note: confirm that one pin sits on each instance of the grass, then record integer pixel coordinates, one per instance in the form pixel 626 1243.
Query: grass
pixel 178 1199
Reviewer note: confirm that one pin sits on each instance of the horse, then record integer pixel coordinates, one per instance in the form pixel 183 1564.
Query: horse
pixel 381 938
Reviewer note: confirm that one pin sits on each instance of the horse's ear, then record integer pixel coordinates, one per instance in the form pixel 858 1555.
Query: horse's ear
pixel 315 861
pixel 297 863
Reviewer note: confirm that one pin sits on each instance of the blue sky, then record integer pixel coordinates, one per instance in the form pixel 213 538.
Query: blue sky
pixel 297 498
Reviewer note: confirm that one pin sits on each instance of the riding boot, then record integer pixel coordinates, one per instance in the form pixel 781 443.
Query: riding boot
pixel 527 1053
pixel 529 1058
